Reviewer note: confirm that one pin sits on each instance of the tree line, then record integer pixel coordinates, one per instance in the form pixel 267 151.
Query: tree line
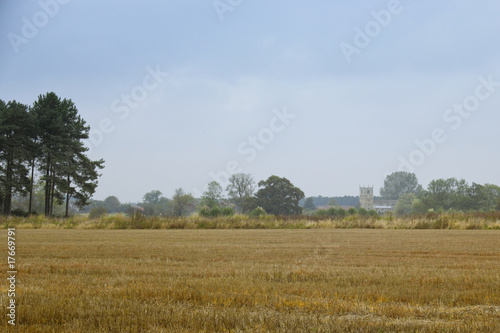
pixel 44 143
pixel 278 196
pixel 275 195
pixel 440 195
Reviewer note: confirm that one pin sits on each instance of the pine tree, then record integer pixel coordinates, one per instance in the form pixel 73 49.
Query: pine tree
pixel 13 153
pixel 67 172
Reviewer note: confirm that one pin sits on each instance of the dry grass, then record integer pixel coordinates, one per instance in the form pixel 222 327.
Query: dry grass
pixel 447 220
pixel 320 280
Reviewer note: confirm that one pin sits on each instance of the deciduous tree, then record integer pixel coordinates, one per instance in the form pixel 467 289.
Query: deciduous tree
pixel 399 183
pixel 240 191
pixel 279 196
pixel 213 195
pixel 182 203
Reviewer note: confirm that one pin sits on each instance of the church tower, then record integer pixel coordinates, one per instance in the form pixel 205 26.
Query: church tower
pixel 366 197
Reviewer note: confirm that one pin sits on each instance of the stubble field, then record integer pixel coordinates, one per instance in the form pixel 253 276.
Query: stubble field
pixel 320 280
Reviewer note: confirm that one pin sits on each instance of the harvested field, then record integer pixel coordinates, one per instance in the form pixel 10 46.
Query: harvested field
pixel 318 280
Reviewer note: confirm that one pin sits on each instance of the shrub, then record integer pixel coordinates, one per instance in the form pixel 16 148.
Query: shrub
pixel 341 212
pixel 97 212
pixel 227 211
pixel 332 211
pixel 259 211
pixel 215 211
pixel 18 212
pixel 204 211
pixel 321 212
pixel 362 211
pixel 351 211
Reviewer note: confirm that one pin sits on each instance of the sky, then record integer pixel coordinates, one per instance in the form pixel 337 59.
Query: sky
pixel 328 94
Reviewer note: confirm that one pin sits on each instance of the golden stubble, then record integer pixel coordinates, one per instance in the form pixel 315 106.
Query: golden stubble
pixel 319 280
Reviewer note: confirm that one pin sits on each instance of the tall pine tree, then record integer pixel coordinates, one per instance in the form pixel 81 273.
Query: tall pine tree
pixel 67 171
pixel 13 153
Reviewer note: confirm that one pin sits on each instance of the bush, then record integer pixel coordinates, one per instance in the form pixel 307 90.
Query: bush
pixel 259 211
pixel 215 211
pixel 332 211
pixel 97 212
pixel 204 211
pixel 19 212
pixel 321 212
pixel 341 212
pixel 362 212
pixel 351 211
pixel 227 211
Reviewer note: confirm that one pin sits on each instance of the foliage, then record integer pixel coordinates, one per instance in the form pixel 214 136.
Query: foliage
pixel 240 190
pixel 204 211
pixel 152 197
pixel 14 138
pixel 458 195
pixel 216 211
pixel 362 212
pixel 405 204
pixel 155 204
pixel 279 196
pixel 309 204
pixel 259 211
pixel 112 204
pixel 136 220
pixel 399 183
pixel 332 202
pixel 182 203
pixel 213 195
pixel 97 212
pixel 332 211
pixel 50 137
pixel 19 212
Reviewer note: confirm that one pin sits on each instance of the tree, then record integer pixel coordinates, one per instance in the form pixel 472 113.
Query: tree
pixel 279 196
pixel 112 204
pixel 399 183
pixel 14 118
pixel 156 204
pixel 446 194
pixel 152 197
pixel 34 153
pixel 240 190
pixel 309 204
pixel 213 195
pixel 182 203
pixel 67 172
pixel 80 179
pixel 332 202
pixel 405 204
pixel 492 196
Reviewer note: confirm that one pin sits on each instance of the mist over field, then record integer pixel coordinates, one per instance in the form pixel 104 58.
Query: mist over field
pixel 178 94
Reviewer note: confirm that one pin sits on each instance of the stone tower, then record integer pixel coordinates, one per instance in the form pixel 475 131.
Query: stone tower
pixel 366 197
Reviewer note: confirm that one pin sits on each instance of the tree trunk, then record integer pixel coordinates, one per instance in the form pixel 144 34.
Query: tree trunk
pixel 52 192
pixel 47 189
pixel 30 204
pixel 68 197
pixel 7 204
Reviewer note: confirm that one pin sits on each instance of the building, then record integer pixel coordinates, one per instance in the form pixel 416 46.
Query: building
pixel 367 202
pixel 366 197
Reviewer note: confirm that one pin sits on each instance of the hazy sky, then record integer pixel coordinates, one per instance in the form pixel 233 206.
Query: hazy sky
pixel 329 94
